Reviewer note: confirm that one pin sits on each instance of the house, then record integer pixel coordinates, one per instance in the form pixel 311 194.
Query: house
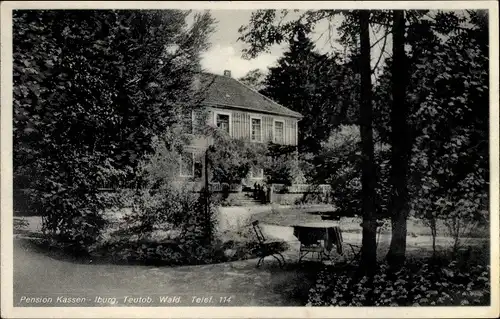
pixel 243 113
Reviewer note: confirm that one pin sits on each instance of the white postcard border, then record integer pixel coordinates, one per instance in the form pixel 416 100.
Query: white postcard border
pixel 8 311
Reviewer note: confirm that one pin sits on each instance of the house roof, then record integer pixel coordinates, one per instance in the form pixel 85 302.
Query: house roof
pixel 228 92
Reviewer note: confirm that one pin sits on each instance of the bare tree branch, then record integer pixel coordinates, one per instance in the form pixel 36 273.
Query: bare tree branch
pixel 381 53
pixel 384 37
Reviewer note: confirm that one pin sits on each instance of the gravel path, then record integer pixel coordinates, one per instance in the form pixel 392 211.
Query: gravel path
pixel 36 274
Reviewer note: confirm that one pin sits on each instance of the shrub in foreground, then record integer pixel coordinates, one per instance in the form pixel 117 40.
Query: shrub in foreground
pixel 179 252
pixel 418 283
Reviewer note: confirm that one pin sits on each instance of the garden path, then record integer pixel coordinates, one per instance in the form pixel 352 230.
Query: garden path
pixel 37 273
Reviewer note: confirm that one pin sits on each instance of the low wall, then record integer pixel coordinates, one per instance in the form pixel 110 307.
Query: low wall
pixel 286 199
pixel 283 198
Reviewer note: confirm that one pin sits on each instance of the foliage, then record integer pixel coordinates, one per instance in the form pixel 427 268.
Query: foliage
pixel 20 224
pixel 254 79
pixel 151 252
pixel 282 165
pixel 338 164
pixel 418 283
pixel 231 159
pixel 448 100
pixel 92 90
pixel 447 97
pixel 312 83
pixel 163 202
pixel 307 166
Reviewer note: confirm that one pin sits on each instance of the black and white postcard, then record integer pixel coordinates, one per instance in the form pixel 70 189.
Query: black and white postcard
pixel 250 159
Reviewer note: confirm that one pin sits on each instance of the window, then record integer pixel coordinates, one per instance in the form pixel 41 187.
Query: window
pixel 257 173
pixel 187 164
pixel 223 122
pixel 256 130
pixel 279 135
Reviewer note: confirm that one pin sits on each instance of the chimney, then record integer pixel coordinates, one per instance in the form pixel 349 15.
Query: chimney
pixel 227 73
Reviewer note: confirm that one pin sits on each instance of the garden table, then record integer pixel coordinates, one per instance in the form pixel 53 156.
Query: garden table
pixel 319 238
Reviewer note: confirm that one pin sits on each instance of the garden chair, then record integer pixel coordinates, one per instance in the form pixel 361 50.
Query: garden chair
pixel 356 252
pixel 356 249
pixel 267 248
pixel 311 245
pixel 312 249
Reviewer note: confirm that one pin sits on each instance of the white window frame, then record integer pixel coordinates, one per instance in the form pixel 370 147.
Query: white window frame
pixel 230 120
pixel 261 174
pixel 274 131
pixel 192 165
pixel 253 117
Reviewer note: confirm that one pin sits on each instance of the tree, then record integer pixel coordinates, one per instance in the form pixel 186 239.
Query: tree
pixel 93 90
pixel 264 30
pixel 254 79
pixel 451 126
pixel 282 165
pixel 312 83
pixel 339 165
pixel 400 143
pixel 368 178
pixel 164 202
pixel 447 67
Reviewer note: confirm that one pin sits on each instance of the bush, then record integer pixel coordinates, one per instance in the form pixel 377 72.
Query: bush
pixel 150 252
pixel 20 225
pixel 231 159
pixel 181 251
pixel 282 165
pixel 74 219
pixel 436 282
pixel 161 203
pixel 339 164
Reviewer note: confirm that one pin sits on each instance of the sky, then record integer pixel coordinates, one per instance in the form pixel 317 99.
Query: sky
pixel 226 52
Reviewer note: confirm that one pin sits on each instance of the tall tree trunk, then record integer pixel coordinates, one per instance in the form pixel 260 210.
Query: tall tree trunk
pixel 400 144
pixel 434 234
pixel 368 178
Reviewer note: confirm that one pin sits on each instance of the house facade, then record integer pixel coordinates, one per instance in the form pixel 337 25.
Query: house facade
pixel 243 113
